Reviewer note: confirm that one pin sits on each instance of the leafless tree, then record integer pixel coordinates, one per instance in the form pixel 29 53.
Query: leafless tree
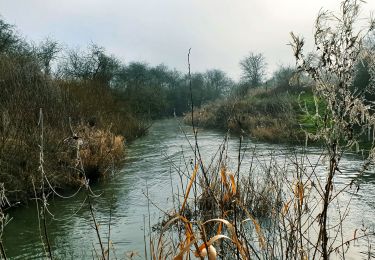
pixel 253 69
pixel 93 64
pixel 46 53
pixel 7 36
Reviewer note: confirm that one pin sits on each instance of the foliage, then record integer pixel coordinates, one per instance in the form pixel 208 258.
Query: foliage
pixel 299 224
pixel 159 91
pixel 347 115
pixel 67 104
pixel 89 95
pixel 265 114
pixel 96 101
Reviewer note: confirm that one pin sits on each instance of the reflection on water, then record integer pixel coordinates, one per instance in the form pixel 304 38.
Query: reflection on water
pixel 152 162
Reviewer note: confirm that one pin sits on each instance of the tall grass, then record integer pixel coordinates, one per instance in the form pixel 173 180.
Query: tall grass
pixel 263 114
pixel 73 111
pixel 222 212
pixel 268 209
pixel 300 196
pixel 55 133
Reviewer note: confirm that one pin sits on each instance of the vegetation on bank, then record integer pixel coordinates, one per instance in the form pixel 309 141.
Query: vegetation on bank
pixel 90 103
pixel 282 109
pixel 264 114
pixel 299 207
pixel 218 212
pixel 67 109
pixel 272 111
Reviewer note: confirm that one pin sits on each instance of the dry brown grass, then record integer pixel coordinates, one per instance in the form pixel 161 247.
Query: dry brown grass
pixel 100 151
pixel 88 107
pixel 260 115
pixel 215 222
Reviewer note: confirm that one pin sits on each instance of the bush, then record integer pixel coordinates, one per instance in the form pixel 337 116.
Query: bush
pixel 86 111
pixel 261 114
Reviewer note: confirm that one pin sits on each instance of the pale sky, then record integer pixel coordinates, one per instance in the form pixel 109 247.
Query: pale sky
pixel 220 32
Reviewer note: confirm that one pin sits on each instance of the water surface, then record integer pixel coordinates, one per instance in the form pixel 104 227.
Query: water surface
pixel 151 167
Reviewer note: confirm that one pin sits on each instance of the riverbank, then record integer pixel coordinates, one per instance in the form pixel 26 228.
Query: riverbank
pixel 153 163
pixel 67 112
pixel 53 132
pixel 264 114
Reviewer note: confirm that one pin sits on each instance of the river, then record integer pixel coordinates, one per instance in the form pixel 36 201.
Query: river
pixel 150 167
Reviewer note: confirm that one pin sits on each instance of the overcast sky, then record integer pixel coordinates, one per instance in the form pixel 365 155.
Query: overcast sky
pixel 220 32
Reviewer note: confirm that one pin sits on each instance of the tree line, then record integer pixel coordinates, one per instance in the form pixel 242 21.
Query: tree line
pixel 145 90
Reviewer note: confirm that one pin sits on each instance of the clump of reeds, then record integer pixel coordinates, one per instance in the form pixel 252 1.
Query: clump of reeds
pixel 225 217
pixel 100 150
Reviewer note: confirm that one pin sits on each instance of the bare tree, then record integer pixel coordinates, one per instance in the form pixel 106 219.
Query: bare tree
pixel 93 64
pixel 7 36
pixel 46 52
pixel 217 83
pixel 253 69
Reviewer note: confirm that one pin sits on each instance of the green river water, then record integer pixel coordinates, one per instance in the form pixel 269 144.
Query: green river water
pixel 149 162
